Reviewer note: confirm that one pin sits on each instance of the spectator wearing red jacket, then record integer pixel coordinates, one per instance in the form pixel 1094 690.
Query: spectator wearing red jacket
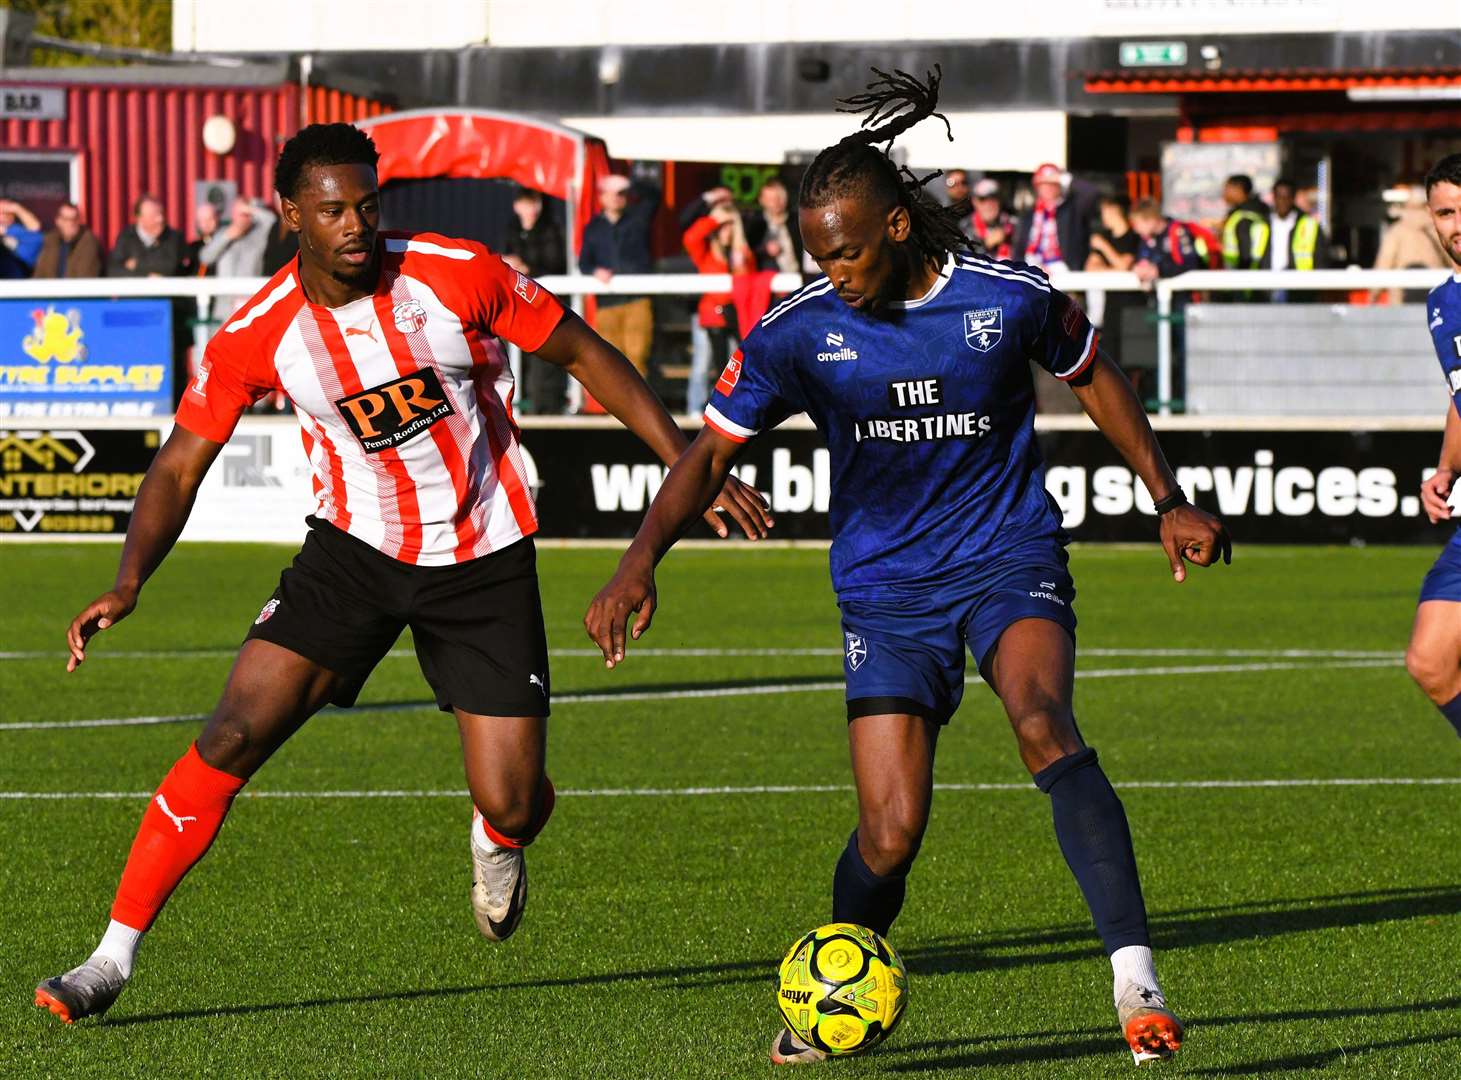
pixel 716 244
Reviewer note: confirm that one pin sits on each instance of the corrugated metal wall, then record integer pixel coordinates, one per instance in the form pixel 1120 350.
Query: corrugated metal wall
pixel 135 139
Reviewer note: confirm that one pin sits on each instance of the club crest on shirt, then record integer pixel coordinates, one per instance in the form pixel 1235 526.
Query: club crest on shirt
pixel 983 329
pixel 267 611
pixel 409 315
pixel 856 650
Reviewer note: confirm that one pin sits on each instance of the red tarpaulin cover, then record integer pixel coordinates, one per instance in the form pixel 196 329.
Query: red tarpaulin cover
pixel 547 157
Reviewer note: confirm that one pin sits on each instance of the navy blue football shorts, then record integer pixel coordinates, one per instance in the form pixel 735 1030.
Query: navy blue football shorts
pixel 904 646
pixel 1443 582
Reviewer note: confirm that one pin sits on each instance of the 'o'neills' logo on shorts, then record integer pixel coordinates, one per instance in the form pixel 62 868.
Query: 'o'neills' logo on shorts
pixel 388 415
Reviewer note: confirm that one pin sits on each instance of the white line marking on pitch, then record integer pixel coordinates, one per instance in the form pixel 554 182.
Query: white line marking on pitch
pixel 755 690
pixel 777 789
pixel 693 653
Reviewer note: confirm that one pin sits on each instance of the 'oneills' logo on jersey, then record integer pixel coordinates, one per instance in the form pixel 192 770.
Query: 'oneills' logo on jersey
pixel 839 349
pixel 983 329
pixel 409 315
pixel 731 375
pixel 388 415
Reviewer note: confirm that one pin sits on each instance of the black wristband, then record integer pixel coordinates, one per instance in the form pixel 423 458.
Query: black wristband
pixel 1177 498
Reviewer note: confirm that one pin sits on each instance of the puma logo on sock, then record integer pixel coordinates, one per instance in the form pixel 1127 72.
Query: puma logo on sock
pixel 178 821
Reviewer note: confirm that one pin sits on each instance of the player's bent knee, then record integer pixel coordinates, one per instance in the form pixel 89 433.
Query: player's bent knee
pixel 226 743
pixel 890 843
pixel 1046 732
pixel 1436 671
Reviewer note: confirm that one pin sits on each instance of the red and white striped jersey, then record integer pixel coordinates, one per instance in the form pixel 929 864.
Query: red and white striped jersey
pixel 404 397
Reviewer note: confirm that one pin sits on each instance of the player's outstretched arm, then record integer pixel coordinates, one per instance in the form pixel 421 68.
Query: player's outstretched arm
pixel 616 386
pixel 686 493
pixel 1187 532
pixel 164 501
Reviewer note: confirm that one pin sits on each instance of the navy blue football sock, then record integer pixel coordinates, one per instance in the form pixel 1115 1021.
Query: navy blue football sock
pixel 1451 710
pixel 1090 825
pixel 863 897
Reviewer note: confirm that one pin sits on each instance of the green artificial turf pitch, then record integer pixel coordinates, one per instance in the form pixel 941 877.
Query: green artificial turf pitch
pixel 1302 929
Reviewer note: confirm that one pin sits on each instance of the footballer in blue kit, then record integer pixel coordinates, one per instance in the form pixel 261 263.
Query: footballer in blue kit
pixel 1434 656
pixel 912 357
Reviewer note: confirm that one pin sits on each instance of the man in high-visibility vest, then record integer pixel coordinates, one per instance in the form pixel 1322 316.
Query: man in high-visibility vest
pixel 1246 231
pixel 1298 243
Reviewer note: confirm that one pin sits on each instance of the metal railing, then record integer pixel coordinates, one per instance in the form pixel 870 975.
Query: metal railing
pixel 204 291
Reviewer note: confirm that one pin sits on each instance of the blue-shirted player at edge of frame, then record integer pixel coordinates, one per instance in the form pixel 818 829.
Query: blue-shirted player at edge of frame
pixel 912 358
pixel 1434 656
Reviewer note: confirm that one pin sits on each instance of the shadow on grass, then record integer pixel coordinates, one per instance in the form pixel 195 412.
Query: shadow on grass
pixel 1183 928
pixel 1191 927
pixel 1087 1042
pixel 609 693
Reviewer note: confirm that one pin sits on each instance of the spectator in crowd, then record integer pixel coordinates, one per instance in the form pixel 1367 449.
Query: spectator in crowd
pixel 1167 248
pixel 70 250
pixel 1307 199
pixel 282 247
pixel 1298 242
pixel 772 231
pixel 237 250
pixel 989 223
pixel 956 190
pixel 1410 243
pixel 1055 232
pixel 616 241
pixel 1114 245
pixel 717 244
pixel 1246 229
pixel 149 247
pixel 534 246
pixel 20 239
pixel 205 223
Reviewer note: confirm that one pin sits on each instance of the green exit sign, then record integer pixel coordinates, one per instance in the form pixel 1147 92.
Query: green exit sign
pixel 1153 53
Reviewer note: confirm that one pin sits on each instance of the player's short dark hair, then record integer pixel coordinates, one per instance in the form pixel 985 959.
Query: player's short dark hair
pixel 856 167
pixel 1445 171
pixel 1243 181
pixel 321 144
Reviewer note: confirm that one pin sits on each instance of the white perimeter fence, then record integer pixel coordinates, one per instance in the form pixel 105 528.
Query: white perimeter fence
pixel 1230 343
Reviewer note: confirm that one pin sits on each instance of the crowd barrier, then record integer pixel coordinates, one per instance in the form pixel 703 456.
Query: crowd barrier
pixel 1327 358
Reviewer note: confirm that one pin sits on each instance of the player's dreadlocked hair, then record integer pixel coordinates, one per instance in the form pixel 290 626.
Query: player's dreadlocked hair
pixel 856 167
pixel 321 144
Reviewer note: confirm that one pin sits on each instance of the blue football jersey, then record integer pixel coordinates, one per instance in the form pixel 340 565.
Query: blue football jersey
pixel 927 410
pixel 1443 308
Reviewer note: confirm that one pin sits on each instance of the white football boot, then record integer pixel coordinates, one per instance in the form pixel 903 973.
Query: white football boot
pixel 88 990
pixel 499 885
pixel 1152 1029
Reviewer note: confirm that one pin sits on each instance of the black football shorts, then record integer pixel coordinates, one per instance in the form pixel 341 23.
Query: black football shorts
pixel 478 625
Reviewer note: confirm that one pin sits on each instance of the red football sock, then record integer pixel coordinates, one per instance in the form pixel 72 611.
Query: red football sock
pixel 179 826
pixel 545 811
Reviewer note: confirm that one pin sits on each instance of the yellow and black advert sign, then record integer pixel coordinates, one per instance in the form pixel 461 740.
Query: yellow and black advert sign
pixel 71 482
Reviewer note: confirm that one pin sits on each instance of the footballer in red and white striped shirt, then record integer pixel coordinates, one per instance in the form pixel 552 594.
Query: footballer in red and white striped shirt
pixel 389 346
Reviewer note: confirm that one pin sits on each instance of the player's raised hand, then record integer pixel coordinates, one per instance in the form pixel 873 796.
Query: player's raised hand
pixel 1434 491
pixel 745 504
pixel 1195 535
pixel 629 590
pixel 104 612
